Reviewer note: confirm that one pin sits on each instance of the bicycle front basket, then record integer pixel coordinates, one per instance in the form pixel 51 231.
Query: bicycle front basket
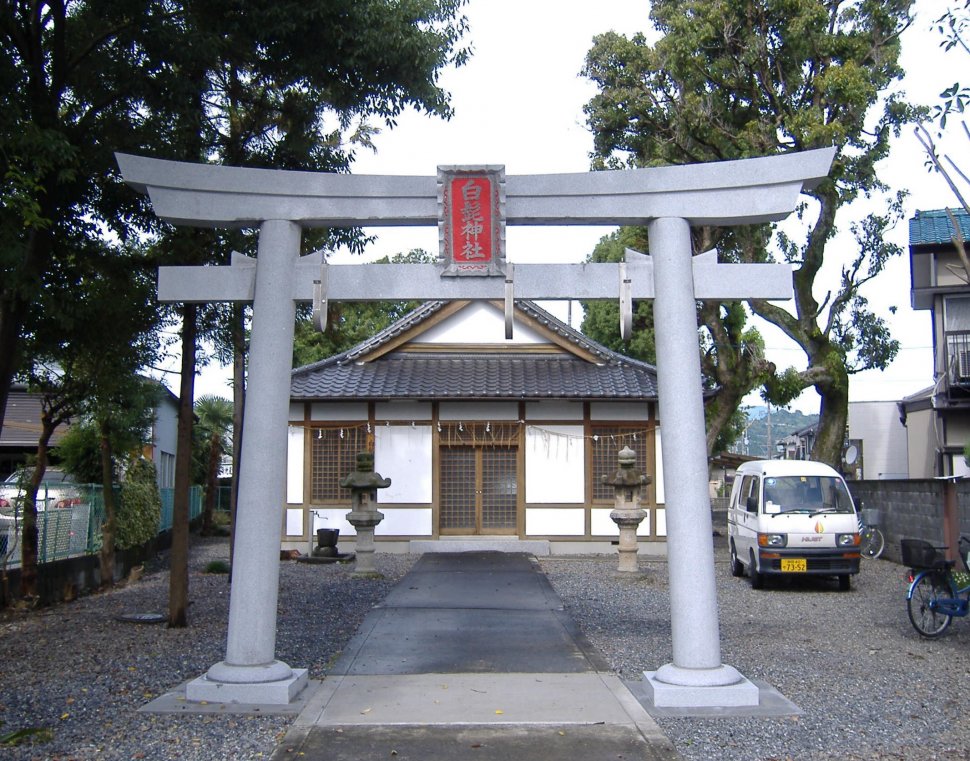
pixel 918 553
pixel 871 516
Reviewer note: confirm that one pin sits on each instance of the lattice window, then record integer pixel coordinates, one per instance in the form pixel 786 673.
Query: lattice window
pixel 499 488
pixel 458 488
pixel 607 441
pixel 333 454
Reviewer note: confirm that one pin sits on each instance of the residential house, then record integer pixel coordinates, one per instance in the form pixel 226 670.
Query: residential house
pixel 484 438
pixel 937 419
pixel 21 429
pixel 160 449
pixel 876 449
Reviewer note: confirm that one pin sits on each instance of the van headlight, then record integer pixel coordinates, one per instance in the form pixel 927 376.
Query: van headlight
pixel 773 540
pixel 847 540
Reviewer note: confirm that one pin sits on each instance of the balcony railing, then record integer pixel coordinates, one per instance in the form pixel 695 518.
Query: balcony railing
pixel 958 358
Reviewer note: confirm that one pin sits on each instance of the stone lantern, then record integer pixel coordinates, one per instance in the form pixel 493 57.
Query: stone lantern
pixel 627 482
pixel 364 515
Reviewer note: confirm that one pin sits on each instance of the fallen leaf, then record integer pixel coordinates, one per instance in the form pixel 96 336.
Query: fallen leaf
pixel 499 711
pixel 366 710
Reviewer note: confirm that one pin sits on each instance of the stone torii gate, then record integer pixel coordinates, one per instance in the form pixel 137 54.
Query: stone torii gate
pixel 667 200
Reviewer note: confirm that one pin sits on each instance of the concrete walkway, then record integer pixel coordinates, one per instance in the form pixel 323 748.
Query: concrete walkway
pixel 471 656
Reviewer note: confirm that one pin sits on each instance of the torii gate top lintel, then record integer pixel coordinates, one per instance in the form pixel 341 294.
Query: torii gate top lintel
pixel 745 191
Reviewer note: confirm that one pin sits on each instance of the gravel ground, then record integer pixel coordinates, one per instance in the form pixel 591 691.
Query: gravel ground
pixel 869 686
pixel 77 671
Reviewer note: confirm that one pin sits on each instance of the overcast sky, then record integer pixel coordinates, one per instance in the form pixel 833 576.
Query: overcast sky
pixel 519 102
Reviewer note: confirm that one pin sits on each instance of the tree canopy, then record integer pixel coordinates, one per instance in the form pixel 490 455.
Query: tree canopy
pixel 761 77
pixel 262 83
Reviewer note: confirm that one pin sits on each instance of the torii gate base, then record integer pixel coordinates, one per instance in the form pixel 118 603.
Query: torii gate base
pixel 668 200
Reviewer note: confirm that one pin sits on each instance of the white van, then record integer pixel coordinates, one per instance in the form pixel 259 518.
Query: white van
pixel 791 518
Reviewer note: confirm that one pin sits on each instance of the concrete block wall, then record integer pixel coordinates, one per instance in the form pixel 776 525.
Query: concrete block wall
pixel 911 509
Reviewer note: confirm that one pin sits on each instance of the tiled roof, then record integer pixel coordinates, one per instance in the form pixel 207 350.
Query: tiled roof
pixel 473 376
pixel 927 228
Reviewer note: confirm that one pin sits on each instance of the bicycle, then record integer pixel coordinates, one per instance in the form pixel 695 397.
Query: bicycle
pixel 872 540
pixel 936 591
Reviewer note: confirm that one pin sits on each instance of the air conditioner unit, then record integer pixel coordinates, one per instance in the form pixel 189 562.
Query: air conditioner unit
pixel 963 363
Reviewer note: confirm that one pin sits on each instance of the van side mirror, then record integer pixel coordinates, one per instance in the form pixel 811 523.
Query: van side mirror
pixel 751 503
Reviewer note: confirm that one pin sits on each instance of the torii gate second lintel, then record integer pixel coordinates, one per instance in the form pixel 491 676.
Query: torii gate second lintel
pixel 667 200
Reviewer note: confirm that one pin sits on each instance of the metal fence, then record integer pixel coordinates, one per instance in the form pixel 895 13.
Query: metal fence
pixel 168 506
pixel 64 532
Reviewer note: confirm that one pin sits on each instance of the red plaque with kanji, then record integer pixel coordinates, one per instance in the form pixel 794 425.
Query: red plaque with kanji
pixel 472 224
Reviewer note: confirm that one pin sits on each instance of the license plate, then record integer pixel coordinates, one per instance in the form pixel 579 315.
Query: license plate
pixel 794 565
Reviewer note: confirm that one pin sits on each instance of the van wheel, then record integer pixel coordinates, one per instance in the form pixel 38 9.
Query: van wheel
pixel 757 578
pixel 737 567
pixel 845 583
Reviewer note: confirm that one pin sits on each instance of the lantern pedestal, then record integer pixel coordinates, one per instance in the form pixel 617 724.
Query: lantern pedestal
pixel 627 515
pixel 628 522
pixel 364 516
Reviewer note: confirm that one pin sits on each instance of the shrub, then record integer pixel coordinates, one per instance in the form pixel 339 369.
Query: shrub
pixel 141 506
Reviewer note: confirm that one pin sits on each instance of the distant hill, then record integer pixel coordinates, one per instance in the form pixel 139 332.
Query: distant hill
pixel 776 425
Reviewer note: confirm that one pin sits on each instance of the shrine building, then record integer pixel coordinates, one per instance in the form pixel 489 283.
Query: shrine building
pixel 486 439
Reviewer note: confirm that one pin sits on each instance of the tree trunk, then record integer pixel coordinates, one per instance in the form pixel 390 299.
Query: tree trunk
pixel 238 413
pixel 211 483
pixel 29 549
pixel 178 594
pixel 15 302
pixel 29 534
pixel 11 323
pixel 833 416
pixel 107 554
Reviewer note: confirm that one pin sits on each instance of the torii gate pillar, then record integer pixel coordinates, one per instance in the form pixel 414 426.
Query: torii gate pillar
pixel 696 677
pixel 250 673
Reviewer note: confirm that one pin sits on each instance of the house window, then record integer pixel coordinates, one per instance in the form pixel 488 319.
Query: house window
pixel 166 470
pixel 333 454
pixel 956 325
pixel 606 443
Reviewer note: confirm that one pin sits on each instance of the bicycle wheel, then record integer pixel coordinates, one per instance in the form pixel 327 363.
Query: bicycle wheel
pixel 928 622
pixel 873 542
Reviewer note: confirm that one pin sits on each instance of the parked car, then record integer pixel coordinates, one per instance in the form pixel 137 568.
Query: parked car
pixel 57 490
pixel 791 518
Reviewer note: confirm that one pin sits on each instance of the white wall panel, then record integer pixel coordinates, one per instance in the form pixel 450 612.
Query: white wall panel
pixel 397 522
pixel 296 411
pixel 659 472
pixel 619 411
pixel 338 411
pixel 485 411
pixel 555 522
pixel 479 322
pixel 294 521
pixel 555 465
pixel 294 466
pixel 661 523
pixel 333 517
pixel 402 411
pixel 403 454
pixel 405 521
pixel 554 410
pixel 602 525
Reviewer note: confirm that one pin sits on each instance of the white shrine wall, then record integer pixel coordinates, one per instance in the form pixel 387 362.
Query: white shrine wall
pixel 553 481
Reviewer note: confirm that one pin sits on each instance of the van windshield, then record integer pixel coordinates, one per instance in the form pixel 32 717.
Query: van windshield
pixel 806 494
